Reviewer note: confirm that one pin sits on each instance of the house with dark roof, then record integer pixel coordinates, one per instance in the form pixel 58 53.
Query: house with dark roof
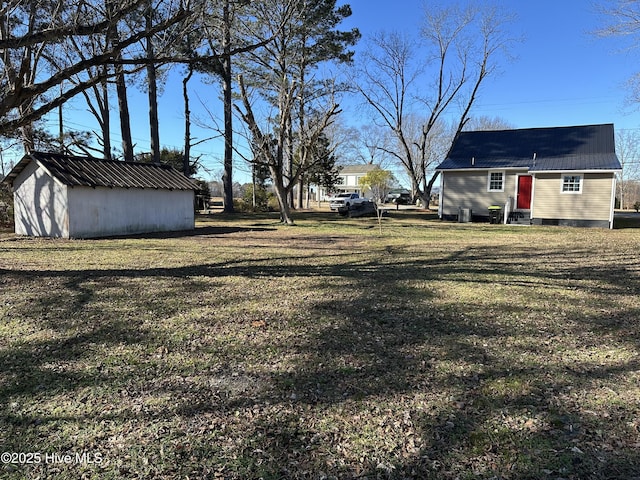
pixel 543 176
pixel 82 197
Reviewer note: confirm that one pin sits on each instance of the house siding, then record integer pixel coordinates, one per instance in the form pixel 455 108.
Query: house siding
pixel 592 204
pixel 40 204
pixel 97 212
pixel 349 181
pixel 468 189
pixel 546 155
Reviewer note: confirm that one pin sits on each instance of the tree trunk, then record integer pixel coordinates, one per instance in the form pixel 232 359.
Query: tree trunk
pixel 301 192
pixel 290 166
pixel 153 115
pixel 275 159
pixel 282 194
pixel 426 195
pixel 121 90
pixel 106 119
pixel 153 91
pixel 26 107
pixel 227 177
pixel 187 123
pixel 125 119
pixel 28 143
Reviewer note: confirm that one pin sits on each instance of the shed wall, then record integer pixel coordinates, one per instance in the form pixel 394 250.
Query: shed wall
pixel 40 204
pixel 593 203
pixel 101 211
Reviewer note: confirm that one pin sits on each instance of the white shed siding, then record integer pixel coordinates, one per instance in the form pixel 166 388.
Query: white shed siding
pixel 468 189
pixel 105 211
pixel 40 204
pixel 593 203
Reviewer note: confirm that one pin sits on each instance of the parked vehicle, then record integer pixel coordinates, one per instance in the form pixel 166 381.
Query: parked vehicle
pixel 399 198
pixel 347 199
pixel 402 199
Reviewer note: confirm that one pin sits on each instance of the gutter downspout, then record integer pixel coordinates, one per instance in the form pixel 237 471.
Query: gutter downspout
pixel 533 197
pixel 613 201
pixel 441 196
pixel 507 210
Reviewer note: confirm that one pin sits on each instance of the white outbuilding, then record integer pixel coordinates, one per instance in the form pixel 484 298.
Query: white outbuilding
pixel 82 197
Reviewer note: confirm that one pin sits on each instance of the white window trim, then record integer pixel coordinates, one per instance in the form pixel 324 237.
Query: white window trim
pixel 572 192
pixel 504 175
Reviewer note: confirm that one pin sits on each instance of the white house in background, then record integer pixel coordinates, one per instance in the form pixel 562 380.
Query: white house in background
pixel 350 176
pixel 82 197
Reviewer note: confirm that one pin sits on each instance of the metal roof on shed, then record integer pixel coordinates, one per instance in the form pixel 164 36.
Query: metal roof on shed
pixel 587 147
pixel 92 172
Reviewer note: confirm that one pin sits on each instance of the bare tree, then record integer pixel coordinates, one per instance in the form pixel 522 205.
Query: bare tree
pixel 484 122
pixel 97 97
pixel 272 153
pixel 628 150
pixel 30 35
pixel 461 46
pixel 6 144
pixel 113 37
pixel 344 142
pixel 376 142
pixel 621 19
pixel 165 46
pixel 225 73
pixel 303 105
pixel 152 83
pixel 229 29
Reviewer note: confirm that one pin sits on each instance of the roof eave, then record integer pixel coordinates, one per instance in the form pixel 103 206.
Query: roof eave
pixel 579 170
pixel 17 169
pixel 469 169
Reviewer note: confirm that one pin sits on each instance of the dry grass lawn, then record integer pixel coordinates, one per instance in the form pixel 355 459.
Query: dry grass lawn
pixel 325 350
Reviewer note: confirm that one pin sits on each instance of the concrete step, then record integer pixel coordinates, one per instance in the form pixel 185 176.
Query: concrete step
pixel 519 218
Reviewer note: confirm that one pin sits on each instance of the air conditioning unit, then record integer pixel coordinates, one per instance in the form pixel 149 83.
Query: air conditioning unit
pixel 464 215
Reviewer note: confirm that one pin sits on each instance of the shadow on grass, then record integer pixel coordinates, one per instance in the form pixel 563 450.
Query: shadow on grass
pixel 201 231
pixel 385 379
pixel 301 216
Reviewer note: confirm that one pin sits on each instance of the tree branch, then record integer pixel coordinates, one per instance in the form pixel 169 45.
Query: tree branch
pixel 19 93
pixel 55 34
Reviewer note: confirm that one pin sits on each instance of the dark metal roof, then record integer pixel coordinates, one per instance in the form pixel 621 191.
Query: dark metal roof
pixel 588 147
pixel 92 172
pixel 594 161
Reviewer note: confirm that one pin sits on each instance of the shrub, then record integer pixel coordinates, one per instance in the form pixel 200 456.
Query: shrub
pixel 6 205
pixel 262 199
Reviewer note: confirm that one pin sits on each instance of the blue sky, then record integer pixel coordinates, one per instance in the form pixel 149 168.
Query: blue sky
pixel 561 75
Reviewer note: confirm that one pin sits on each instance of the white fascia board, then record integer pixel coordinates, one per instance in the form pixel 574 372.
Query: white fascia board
pixel 566 172
pixel 481 169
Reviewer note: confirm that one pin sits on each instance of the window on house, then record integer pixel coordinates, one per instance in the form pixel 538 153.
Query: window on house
pixel 496 181
pixel 571 183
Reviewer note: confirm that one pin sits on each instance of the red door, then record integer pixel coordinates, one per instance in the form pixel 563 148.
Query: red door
pixel 524 192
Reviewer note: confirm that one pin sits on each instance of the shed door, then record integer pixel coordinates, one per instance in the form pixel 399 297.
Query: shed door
pixel 524 192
